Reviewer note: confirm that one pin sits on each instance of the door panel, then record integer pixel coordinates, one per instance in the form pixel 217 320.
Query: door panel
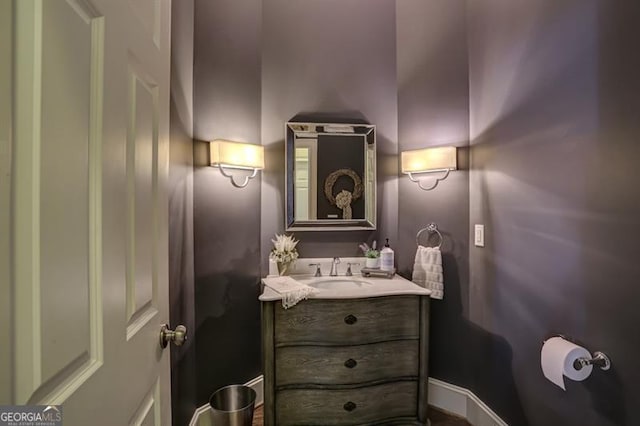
pixel 149 14
pixel 142 171
pixel 57 137
pixel 65 148
pixel 148 413
pixel 88 220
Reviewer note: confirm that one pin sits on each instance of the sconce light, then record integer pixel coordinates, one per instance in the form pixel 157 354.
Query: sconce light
pixel 236 155
pixel 429 160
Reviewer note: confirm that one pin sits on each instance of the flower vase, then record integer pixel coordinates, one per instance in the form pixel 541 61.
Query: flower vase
pixel 372 262
pixel 283 268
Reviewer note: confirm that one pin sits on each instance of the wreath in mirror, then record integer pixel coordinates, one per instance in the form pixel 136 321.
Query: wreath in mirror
pixel 344 198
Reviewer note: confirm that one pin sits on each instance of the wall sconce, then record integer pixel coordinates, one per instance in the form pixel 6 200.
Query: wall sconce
pixel 429 160
pixel 236 155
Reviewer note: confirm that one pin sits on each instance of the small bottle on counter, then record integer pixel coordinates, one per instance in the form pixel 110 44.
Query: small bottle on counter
pixel 387 258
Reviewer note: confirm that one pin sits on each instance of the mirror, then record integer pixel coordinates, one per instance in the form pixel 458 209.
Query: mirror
pixel 330 176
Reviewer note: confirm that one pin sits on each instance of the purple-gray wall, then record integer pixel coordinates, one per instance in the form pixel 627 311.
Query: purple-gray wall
pixel 254 70
pixel 334 57
pixel 433 110
pixel 555 122
pixel 540 96
pixel 226 219
pixel 181 283
pixel 266 62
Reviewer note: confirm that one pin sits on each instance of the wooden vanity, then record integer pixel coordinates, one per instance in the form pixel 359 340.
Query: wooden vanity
pixel 351 361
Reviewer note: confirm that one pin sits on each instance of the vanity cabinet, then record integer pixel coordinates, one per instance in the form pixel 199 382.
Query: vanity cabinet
pixel 346 362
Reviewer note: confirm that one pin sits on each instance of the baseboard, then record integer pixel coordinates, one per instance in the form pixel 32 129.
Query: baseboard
pixel 462 402
pixel 201 416
pixel 448 397
pixel 257 385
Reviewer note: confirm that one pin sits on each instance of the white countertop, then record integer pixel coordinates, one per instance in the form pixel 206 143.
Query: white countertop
pixel 370 287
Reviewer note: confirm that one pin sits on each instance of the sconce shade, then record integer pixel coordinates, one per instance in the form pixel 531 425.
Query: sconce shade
pixel 236 155
pixel 429 160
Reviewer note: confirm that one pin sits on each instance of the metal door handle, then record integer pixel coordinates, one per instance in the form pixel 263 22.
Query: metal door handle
pixel 177 336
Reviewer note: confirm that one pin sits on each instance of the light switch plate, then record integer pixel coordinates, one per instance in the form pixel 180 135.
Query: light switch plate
pixel 479 236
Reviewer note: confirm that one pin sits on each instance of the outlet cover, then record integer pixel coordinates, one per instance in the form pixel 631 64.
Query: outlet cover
pixel 479 236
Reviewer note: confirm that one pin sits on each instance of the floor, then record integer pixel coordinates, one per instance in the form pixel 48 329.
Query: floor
pixel 437 417
pixel 442 418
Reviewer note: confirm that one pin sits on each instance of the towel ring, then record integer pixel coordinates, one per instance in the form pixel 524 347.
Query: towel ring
pixel 431 228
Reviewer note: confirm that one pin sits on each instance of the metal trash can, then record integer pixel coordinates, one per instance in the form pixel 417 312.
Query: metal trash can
pixel 232 406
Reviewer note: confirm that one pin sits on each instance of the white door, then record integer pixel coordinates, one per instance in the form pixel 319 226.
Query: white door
pixel 88 209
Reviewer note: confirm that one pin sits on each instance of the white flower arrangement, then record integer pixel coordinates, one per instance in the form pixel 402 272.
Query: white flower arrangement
pixel 284 249
pixel 369 252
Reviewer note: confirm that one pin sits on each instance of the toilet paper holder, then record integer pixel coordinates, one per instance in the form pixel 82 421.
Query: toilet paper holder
pixel 599 359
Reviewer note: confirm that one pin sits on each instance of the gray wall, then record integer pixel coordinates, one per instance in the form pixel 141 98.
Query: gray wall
pixel 254 70
pixel 335 57
pixel 181 283
pixel 555 121
pixel 433 110
pixel 334 153
pixel 226 219
pixel 399 65
pixel 552 98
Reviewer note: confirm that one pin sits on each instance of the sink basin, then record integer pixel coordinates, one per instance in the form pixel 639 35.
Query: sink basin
pixel 350 287
pixel 338 283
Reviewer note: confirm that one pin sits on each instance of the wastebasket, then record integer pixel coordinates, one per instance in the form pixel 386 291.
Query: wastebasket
pixel 232 406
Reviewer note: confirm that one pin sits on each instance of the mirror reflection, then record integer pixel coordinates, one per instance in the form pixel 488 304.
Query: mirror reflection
pixel 330 176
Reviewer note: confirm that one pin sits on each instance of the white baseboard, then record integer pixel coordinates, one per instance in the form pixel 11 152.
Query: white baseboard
pixel 257 385
pixel 201 416
pixel 462 402
pixel 451 398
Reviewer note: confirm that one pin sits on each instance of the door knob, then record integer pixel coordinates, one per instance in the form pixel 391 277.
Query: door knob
pixel 177 336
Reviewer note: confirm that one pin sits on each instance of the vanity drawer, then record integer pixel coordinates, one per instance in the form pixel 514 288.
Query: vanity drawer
pixel 324 365
pixel 369 405
pixel 348 321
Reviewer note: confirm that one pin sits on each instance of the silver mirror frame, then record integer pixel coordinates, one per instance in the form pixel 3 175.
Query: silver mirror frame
pixel 368 131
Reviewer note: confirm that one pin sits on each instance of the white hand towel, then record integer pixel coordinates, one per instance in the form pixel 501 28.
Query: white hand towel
pixel 292 291
pixel 427 270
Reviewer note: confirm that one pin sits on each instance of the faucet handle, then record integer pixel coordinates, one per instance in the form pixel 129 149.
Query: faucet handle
pixel 318 271
pixel 349 273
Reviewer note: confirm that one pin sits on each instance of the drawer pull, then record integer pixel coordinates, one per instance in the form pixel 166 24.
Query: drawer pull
pixel 349 406
pixel 350 319
pixel 350 363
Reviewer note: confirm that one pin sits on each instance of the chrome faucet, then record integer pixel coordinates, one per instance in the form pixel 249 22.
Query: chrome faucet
pixel 318 271
pixel 349 273
pixel 334 267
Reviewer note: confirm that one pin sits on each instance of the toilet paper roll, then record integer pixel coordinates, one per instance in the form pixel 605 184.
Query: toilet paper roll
pixel 557 358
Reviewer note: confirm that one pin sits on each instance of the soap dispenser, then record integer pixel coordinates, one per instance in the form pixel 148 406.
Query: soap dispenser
pixel 386 258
